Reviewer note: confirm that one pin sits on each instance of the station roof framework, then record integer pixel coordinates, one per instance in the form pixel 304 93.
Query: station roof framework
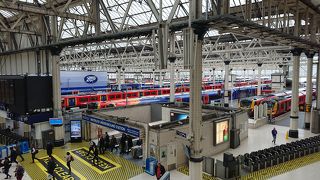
pixel 26 25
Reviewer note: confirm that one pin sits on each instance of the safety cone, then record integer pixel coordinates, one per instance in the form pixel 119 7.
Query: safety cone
pixel 287 135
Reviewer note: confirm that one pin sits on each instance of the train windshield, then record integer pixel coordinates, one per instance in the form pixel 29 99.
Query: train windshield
pixel 270 104
pixel 245 103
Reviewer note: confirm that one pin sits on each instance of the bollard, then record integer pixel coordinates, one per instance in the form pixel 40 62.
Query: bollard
pixel 287 135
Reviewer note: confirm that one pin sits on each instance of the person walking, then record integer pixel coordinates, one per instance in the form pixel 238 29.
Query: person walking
pixel 69 158
pixel 19 172
pixel 6 167
pixel 101 145
pixel 17 148
pixel 51 167
pixel 91 146
pixel 113 143
pixel 106 141
pixel 95 155
pixel 274 133
pixel 13 156
pixel 34 151
pixel 49 148
pixel 159 169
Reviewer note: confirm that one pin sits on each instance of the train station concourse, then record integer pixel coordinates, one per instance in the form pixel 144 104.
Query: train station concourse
pixel 159 89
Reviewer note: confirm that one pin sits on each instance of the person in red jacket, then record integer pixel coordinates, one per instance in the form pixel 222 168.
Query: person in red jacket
pixel 159 170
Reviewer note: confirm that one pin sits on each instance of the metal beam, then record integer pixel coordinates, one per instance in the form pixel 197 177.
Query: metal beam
pixel 125 15
pixel 173 11
pixel 109 19
pixel 18 31
pixel 30 8
pixel 153 9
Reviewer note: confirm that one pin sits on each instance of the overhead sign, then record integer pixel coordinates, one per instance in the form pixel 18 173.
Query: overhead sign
pixel 90 79
pixel 119 127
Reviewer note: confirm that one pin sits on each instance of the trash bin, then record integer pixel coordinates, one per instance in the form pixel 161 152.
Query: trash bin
pixel 151 163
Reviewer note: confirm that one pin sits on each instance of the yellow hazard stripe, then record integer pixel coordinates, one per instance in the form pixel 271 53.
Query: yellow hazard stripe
pixel 93 167
pixel 44 169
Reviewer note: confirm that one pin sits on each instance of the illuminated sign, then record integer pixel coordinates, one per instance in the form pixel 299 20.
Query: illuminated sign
pixel 103 164
pixel 61 172
pixel 90 79
pixel 75 131
pixel 175 116
pixel 118 127
pixel 55 121
pixel 221 130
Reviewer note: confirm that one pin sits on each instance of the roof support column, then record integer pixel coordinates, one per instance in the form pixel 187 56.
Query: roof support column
pixel 308 102
pixel 318 83
pixel 213 75
pixel 315 124
pixel 195 123
pixel 259 79
pixel 294 116
pixel 119 77
pixel 226 82
pixel 172 84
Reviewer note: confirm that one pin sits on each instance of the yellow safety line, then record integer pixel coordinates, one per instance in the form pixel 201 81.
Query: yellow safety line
pixel 92 166
pixel 44 169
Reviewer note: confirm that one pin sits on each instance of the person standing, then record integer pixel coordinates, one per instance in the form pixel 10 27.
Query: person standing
pixel 51 167
pixel 17 148
pixel 159 170
pixel 13 156
pixel 91 146
pixel 95 155
pixel 113 143
pixel 106 141
pixel 69 158
pixel 6 167
pixel 101 145
pixel 274 133
pixel 123 143
pixel 130 143
pixel 19 172
pixel 34 151
pixel 49 148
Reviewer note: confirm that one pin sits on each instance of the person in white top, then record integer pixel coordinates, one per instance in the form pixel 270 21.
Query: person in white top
pixel 34 151
pixel 69 158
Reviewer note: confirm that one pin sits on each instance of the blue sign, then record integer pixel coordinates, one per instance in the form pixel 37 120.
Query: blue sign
pixel 55 121
pixel 90 79
pixel 125 129
pixel 182 134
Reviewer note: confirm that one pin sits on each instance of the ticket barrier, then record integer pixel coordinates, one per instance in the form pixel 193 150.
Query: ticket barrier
pixel 261 159
pixel 6 152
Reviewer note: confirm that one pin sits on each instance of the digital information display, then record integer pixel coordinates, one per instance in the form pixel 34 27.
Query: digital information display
pixel 175 116
pixel 75 130
pixel 221 132
pixel 55 121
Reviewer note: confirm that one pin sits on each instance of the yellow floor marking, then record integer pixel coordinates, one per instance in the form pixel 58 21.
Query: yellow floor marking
pixel 44 169
pixel 91 165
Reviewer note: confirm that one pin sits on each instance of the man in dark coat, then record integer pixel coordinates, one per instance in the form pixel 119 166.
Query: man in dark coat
pixel 49 148
pixel 106 141
pixel 101 145
pixel 123 143
pixel 159 170
pixel 13 156
pixel 51 166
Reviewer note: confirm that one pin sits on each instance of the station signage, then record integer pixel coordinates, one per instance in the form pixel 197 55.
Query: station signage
pixel 118 127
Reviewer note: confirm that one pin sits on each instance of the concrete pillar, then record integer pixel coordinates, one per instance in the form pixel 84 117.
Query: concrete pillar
pixel 259 79
pixel 308 103
pixel 244 73
pixel 123 76
pixel 153 76
pixel 172 83
pixel 119 77
pixel 318 83
pixel 226 83
pixel 59 131
pixel 253 74
pixel 213 75
pixel 294 116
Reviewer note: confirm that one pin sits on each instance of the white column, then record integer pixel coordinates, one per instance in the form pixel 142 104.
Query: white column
pixel 123 76
pixel 172 83
pixel 308 104
pixel 318 83
pixel 213 75
pixel 259 79
pixel 226 83
pixel 253 74
pixel 160 78
pixel 294 116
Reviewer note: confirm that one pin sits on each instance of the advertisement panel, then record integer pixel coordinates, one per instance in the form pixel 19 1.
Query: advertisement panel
pixel 221 132
pixel 75 130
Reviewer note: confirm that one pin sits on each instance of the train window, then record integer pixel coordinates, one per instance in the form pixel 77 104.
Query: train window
pixel 245 103
pixel 111 97
pixel 83 99
pixel 153 93
pixel 118 96
pixel 147 93
pixel 72 102
pixel 93 98
pixel 128 95
pixel 103 98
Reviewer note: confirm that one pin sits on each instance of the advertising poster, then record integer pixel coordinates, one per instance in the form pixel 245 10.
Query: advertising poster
pixel 163 154
pixel 75 131
pixel 222 132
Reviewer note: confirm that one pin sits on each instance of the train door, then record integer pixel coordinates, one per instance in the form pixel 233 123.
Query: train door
pixel 205 99
pixel 72 102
